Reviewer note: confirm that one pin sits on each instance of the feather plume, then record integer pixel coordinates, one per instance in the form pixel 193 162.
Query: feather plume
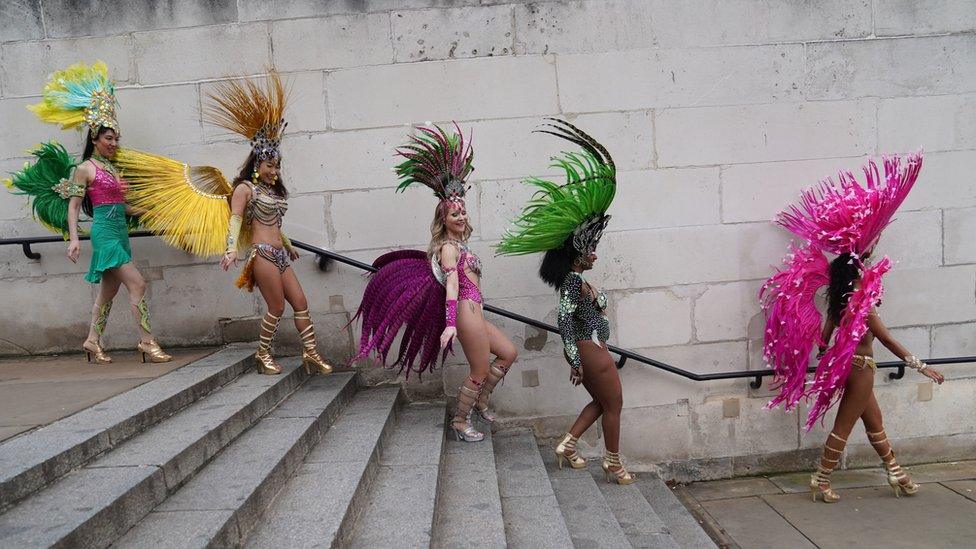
pixel 186 206
pixel 39 180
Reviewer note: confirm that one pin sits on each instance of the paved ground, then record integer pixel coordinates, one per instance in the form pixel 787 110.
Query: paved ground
pixel 35 391
pixel 777 511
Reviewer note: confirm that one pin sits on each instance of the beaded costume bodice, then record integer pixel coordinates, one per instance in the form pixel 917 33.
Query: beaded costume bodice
pixel 106 188
pixel 265 207
pixel 581 316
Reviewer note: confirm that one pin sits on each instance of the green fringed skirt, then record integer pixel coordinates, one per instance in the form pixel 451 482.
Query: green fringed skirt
pixel 110 241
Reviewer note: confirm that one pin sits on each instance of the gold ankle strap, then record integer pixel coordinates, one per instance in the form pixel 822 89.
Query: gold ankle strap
pixel 837 437
pixel 302 315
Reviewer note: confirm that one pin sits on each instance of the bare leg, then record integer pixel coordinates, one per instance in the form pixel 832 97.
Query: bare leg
pixel 107 291
pixel 601 380
pixel 504 350
pixel 473 336
pixel 600 374
pixel 269 283
pixel 130 276
pixel 303 323
pixel 856 392
pixel 874 426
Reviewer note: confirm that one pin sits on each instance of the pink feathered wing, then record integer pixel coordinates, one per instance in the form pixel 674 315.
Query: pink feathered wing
pixel 403 293
pixel 835 365
pixel 793 321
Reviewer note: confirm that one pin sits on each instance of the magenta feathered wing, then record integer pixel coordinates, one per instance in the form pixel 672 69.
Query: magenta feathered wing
pixel 793 321
pixel 403 293
pixel 835 365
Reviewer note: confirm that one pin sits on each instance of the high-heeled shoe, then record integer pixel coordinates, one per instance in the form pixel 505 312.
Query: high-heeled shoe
pixel 897 478
pixel 566 450
pixel 485 414
pixel 467 433
pixel 618 473
pixel 496 373
pixel 263 361
pixel 467 396
pixel 266 364
pixel 153 351
pixel 820 485
pixel 311 360
pixel 93 350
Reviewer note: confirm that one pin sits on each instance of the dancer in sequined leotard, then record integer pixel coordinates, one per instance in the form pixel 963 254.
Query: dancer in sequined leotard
pixel 436 295
pixel 566 222
pixel 258 205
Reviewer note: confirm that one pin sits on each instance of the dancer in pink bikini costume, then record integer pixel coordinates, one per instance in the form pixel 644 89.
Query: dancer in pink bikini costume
pixel 436 295
pixel 845 219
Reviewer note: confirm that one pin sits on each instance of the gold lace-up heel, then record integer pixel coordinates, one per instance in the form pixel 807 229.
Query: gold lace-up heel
pixel 614 470
pixel 263 360
pixel 94 351
pixel 152 350
pixel 820 479
pixel 897 478
pixel 311 360
pixel 566 450
pixel 820 485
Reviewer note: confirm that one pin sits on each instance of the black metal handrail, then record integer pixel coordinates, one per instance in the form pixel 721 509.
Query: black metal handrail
pixel 325 256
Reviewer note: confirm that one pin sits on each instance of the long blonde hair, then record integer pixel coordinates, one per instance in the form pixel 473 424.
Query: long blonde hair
pixel 438 229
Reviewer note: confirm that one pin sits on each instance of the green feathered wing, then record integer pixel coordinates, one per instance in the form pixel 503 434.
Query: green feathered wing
pixel 555 211
pixel 39 182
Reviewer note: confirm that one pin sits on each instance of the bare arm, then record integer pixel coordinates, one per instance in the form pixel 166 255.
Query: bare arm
pixel 238 202
pixel 449 264
pixel 881 332
pixel 449 256
pixel 83 175
pixel 825 335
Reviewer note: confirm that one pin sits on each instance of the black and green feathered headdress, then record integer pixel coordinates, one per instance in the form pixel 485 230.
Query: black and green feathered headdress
pixel 438 160
pixel 574 210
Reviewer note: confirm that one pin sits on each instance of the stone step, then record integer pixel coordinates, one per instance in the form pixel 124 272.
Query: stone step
pixel 33 460
pixel 94 505
pixel 589 518
pixel 399 507
pixel 681 524
pixel 223 502
pixel 469 507
pixel 320 503
pixel 529 506
pixel 641 524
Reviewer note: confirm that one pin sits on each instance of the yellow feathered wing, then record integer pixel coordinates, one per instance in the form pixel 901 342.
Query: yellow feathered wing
pixel 186 206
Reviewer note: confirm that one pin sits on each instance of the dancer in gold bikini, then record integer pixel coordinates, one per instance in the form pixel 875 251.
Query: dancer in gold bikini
pixel 258 204
pixel 846 219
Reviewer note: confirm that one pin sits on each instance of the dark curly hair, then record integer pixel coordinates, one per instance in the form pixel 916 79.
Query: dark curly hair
pixel 557 263
pixel 844 272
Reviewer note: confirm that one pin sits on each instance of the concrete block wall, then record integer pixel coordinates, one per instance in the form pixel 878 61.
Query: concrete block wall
pixel 717 112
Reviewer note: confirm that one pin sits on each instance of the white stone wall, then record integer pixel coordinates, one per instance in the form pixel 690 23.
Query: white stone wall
pixel 717 112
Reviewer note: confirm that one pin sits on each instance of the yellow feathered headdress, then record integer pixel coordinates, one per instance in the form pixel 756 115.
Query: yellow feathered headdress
pixel 80 94
pixel 255 111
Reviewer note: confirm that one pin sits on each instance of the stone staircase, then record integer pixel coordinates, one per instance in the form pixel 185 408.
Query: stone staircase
pixel 212 455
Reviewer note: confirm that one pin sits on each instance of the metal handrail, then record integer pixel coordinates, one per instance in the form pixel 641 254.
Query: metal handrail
pixel 325 256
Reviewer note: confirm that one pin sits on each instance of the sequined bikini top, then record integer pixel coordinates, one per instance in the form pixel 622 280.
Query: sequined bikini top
pixel 472 262
pixel 265 207
pixel 105 188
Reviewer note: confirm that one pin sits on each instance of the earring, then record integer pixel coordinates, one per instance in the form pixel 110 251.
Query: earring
pixel 254 177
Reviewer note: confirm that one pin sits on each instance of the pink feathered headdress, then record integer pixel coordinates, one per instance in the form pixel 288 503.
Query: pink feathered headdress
pixel 844 217
pixel 838 217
